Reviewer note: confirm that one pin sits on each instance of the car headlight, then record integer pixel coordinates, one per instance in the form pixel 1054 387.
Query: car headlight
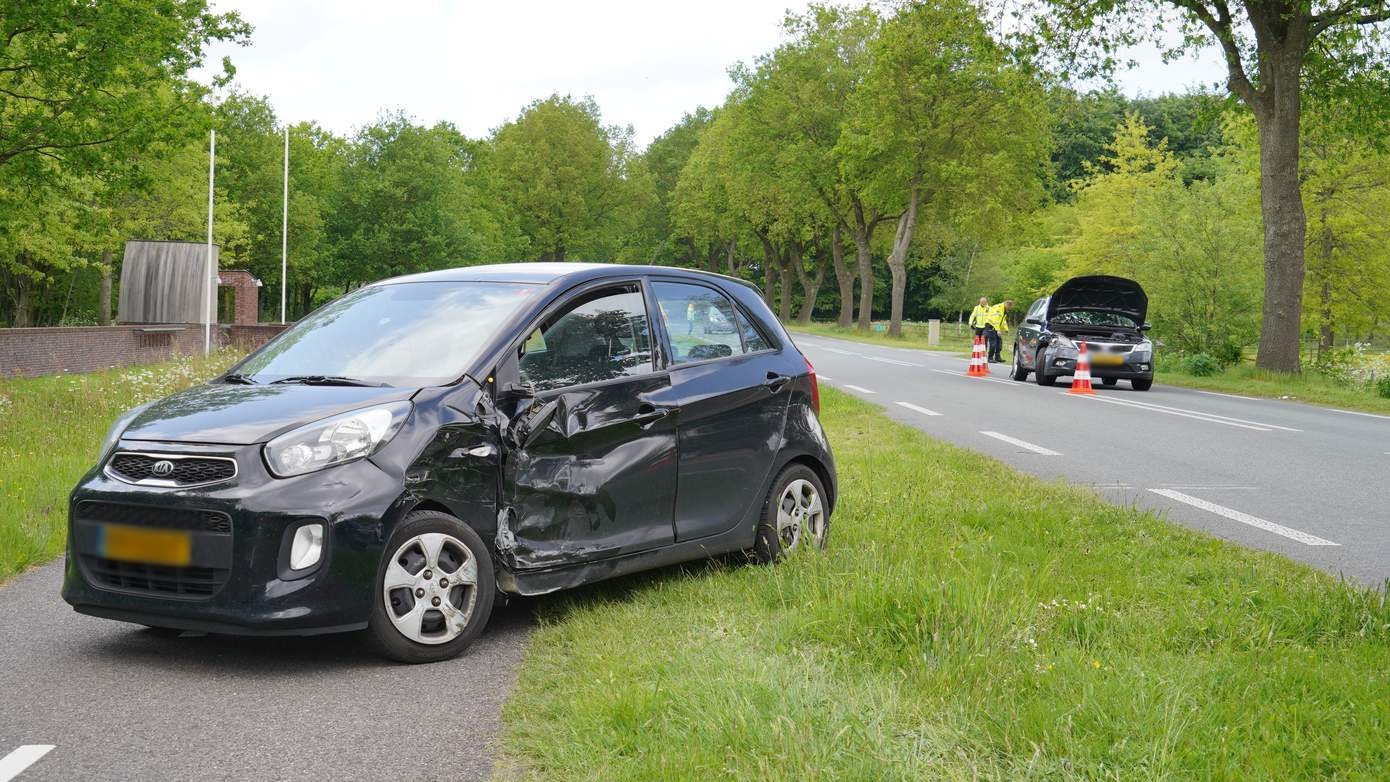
pixel 1063 342
pixel 113 435
pixel 342 438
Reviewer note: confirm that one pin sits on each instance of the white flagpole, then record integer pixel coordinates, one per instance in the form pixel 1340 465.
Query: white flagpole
pixel 209 284
pixel 285 230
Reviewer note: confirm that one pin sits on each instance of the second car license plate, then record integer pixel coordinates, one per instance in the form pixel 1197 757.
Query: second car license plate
pixel 1107 360
pixel 149 546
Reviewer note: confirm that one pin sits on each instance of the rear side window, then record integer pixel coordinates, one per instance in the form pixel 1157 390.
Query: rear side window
pixel 753 339
pixel 601 337
pixel 701 322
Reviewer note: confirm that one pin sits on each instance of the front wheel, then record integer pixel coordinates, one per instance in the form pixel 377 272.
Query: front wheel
pixel 1141 384
pixel 1020 372
pixel 434 590
pixel 1042 377
pixel 1109 381
pixel 795 515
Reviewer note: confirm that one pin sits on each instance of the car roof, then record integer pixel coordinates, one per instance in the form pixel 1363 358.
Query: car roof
pixel 568 272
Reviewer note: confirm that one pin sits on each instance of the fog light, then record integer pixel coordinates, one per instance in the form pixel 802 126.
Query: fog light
pixel 1143 367
pixel 307 546
pixel 1061 362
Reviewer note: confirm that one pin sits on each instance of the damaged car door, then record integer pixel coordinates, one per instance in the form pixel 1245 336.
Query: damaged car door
pixel 589 468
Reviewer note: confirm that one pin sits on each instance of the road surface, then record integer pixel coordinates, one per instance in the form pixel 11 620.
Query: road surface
pixel 116 701
pixel 1308 482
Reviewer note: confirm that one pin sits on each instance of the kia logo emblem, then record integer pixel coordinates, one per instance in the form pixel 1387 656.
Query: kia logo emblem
pixel 162 468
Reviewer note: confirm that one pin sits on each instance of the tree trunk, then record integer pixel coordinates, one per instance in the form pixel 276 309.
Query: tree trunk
pixel 104 294
pixel 897 260
pixel 770 273
pixel 1326 245
pixel 844 277
pixel 730 259
pixel 22 304
pixel 784 273
pixel 863 232
pixel 810 285
pixel 1285 224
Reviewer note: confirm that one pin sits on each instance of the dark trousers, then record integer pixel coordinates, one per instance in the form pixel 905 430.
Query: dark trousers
pixel 993 344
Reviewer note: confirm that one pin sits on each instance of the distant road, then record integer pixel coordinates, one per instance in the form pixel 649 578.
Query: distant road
pixel 1308 482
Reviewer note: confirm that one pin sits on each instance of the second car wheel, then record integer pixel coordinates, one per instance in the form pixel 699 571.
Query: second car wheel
pixel 1141 384
pixel 1043 378
pixel 1109 381
pixel 1020 372
pixel 795 515
pixel 434 590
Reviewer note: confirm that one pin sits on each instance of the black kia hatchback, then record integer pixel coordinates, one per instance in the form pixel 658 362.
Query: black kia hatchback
pixel 409 450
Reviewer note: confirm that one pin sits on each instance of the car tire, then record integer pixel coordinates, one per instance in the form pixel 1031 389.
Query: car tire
pixel 155 631
pixel 1043 378
pixel 1020 372
pixel 782 530
pixel 1141 384
pixel 1109 381
pixel 457 551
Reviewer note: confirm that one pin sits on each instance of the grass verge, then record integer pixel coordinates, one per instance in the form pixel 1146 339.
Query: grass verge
pixel 50 429
pixel 1243 380
pixel 966 621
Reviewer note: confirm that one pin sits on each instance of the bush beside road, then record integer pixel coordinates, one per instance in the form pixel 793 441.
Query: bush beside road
pixel 1345 390
pixel 965 621
pixel 50 429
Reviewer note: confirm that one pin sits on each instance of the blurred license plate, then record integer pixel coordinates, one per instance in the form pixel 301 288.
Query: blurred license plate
pixel 150 546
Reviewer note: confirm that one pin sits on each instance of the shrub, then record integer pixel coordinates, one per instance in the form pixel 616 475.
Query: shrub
pixel 1383 387
pixel 1228 353
pixel 1201 365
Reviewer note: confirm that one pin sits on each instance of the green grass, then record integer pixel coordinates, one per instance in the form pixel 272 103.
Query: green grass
pixel 50 430
pixel 1244 379
pixel 966 621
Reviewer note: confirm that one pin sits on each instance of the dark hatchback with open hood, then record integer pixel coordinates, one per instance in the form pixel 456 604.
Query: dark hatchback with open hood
pixel 1107 313
pixel 409 450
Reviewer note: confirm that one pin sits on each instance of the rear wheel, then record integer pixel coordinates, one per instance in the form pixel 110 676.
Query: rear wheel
pixel 795 515
pixel 1043 378
pixel 1141 384
pixel 434 590
pixel 1020 372
pixel 1109 381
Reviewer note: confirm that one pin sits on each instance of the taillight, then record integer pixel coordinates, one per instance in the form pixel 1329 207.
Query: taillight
pixel 815 386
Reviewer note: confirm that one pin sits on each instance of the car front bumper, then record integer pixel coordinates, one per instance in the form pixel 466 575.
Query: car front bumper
pixel 1129 370
pixel 238 580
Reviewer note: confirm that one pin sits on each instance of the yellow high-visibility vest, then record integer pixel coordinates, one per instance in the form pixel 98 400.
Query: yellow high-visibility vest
pixel 995 317
pixel 979 316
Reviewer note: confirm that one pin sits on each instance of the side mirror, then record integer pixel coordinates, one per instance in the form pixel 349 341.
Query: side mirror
pixel 537 422
pixel 515 391
pixel 1033 321
pixel 1146 326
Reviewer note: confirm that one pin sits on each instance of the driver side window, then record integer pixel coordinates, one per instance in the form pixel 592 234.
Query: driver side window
pixel 602 336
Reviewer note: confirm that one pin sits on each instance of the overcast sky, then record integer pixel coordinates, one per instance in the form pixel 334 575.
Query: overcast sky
pixel 476 64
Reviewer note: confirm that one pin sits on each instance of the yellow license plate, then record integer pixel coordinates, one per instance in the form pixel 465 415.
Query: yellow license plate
pixel 150 546
pixel 1107 360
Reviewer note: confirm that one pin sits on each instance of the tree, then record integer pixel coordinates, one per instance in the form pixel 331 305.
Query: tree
pixel 1272 50
pixel 942 126
pixel 574 186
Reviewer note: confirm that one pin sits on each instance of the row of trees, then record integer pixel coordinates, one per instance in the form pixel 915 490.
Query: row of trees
pixel 914 155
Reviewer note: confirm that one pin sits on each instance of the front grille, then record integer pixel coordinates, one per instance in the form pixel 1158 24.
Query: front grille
pixel 156 579
pixel 155 516
pixel 186 470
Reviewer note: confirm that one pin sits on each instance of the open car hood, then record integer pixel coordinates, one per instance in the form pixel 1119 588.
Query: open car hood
pixel 1100 293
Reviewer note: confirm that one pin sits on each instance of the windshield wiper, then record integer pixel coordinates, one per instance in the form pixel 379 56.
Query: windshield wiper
pixel 325 380
pixel 241 380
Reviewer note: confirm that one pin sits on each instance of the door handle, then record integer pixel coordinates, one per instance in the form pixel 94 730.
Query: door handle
pixel 774 381
pixel 648 414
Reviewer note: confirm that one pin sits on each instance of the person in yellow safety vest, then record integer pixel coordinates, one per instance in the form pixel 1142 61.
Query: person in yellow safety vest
pixel 997 324
pixel 980 316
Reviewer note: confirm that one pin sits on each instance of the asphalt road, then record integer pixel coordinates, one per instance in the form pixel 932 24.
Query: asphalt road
pixel 118 702
pixel 1308 482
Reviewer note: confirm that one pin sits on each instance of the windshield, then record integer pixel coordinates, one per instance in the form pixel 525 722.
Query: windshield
pixel 1093 318
pixel 405 334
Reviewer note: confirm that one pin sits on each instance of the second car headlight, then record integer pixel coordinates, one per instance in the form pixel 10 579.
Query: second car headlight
pixel 113 435
pixel 342 438
pixel 1063 342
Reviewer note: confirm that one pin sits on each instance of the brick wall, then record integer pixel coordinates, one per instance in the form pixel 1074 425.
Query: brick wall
pixel 47 351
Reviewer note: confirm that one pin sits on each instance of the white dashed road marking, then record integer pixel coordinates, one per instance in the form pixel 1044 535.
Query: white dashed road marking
pixel 1038 449
pixel 1013 383
pixel 1245 518
pixel 892 361
pixel 860 389
pixel 1358 412
pixel 13 764
pixel 916 409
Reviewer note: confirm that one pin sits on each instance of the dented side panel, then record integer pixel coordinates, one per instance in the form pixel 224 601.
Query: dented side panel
pixel 598 481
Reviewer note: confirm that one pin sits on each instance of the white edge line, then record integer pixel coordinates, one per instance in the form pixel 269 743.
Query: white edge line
pixel 1208 415
pixel 860 389
pixel 13 764
pixel 826 378
pixel 916 409
pixel 1232 396
pixel 1197 416
pixel 1245 518
pixel 1038 449
pixel 1358 412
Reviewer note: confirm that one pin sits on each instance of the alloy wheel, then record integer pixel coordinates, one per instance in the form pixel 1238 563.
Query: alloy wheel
pixel 800 513
pixel 430 588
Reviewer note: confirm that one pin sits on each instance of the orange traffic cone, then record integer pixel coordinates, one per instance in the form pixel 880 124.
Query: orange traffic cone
pixel 1081 378
pixel 978 366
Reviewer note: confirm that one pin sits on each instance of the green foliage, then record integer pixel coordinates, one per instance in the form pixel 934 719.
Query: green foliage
pixel 1383 388
pixel 1200 365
